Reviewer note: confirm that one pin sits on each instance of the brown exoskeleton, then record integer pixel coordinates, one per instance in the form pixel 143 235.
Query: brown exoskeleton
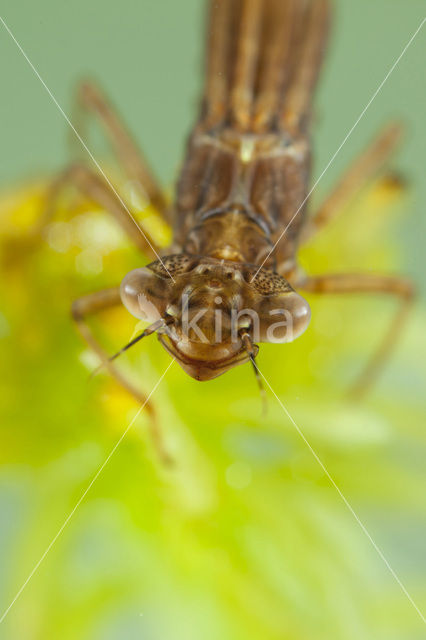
pixel 240 208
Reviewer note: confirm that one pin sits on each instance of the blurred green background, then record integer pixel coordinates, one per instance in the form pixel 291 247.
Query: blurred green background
pixel 245 537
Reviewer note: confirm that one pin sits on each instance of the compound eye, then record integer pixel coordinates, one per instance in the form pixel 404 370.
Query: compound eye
pixel 144 294
pixel 285 318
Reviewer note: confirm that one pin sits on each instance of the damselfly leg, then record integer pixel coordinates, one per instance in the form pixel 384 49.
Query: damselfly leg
pixel 99 189
pixel 95 187
pixel 398 287
pixel 91 99
pixel 97 302
pixel 365 168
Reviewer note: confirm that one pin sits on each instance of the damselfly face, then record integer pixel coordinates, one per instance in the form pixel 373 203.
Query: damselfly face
pixel 209 313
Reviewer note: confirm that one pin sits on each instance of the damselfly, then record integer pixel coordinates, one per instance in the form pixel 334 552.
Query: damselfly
pixel 231 277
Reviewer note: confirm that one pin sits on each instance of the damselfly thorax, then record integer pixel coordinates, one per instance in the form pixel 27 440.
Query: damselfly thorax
pixel 229 280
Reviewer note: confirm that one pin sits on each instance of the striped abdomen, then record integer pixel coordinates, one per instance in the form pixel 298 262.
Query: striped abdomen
pixel 247 166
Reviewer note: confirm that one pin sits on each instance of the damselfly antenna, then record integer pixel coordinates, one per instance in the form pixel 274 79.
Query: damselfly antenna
pixel 248 345
pixel 159 324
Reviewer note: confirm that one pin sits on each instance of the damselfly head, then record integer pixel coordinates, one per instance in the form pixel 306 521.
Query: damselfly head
pixel 208 311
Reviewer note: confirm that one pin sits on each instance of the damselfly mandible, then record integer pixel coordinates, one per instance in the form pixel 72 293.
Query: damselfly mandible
pixel 231 278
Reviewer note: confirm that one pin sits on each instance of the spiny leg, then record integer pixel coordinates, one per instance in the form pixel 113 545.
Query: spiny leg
pixel 92 304
pixel 95 188
pixel 92 99
pixel 399 287
pixel 365 168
